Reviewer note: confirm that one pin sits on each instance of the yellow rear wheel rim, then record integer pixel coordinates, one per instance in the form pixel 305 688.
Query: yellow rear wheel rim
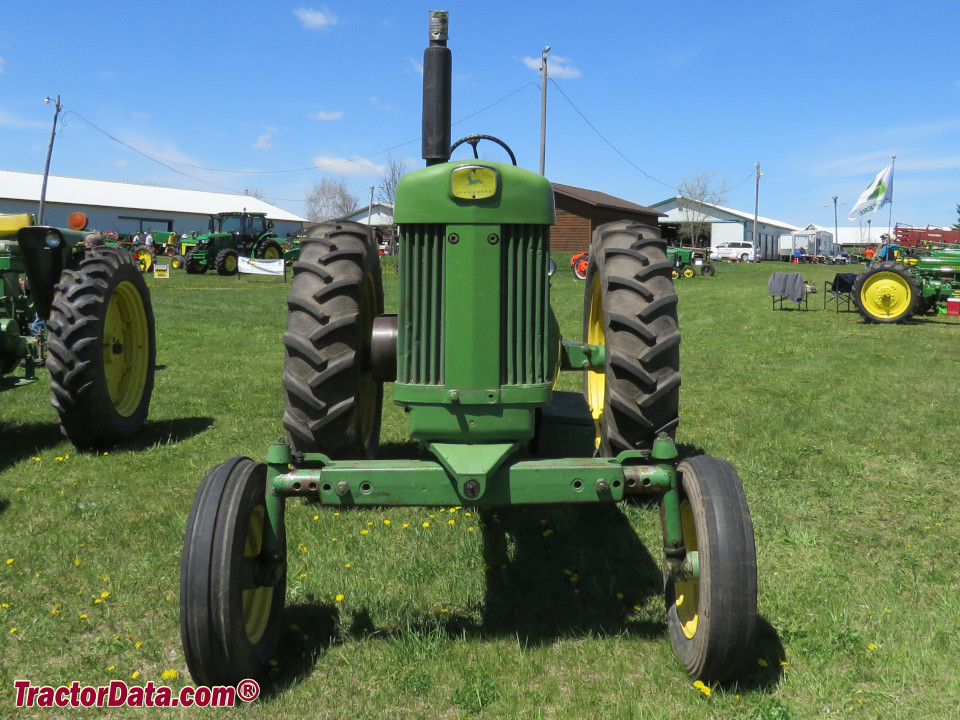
pixel 126 348
pixel 886 295
pixel 687 592
pixel 257 601
pixel 596 381
pixel 271 253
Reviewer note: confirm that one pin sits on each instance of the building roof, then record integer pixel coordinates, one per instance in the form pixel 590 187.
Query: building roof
pixel 678 199
pixel 105 193
pixel 599 199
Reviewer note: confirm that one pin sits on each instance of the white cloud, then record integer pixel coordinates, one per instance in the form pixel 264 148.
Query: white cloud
pixel 374 100
pixel 120 162
pixel 263 143
pixel 328 116
pixel 557 67
pixel 315 19
pixel 360 167
pixel 417 67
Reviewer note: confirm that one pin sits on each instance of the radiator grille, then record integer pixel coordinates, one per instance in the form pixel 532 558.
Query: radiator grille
pixel 420 341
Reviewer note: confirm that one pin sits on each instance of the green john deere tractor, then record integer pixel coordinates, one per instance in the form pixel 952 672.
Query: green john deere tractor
pixel 918 283
pixel 233 235
pixel 473 353
pixel 84 309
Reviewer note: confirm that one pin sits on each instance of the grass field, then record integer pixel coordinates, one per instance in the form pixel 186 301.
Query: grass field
pixel 844 433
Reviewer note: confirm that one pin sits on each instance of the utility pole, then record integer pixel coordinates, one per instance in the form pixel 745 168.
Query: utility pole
pixel 46 168
pixel 370 209
pixel 756 210
pixel 543 107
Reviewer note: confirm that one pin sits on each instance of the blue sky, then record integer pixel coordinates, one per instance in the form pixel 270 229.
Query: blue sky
pixel 641 95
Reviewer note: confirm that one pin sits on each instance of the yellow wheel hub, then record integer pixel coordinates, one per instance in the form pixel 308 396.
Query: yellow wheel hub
pixel 596 381
pixel 886 295
pixel 687 592
pixel 230 264
pixel 126 348
pixel 271 253
pixel 257 601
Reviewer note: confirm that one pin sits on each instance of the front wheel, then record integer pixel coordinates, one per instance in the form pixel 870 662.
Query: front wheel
pixel 226 262
pixel 102 348
pixel 687 271
pixel 708 270
pixel 579 264
pixel 269 250
pixel 712 607
pixel 231 588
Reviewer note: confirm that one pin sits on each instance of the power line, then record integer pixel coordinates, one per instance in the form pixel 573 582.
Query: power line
pixel 612 146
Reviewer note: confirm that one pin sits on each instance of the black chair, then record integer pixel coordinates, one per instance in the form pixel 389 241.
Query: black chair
pixel 840 292
pixel 787 286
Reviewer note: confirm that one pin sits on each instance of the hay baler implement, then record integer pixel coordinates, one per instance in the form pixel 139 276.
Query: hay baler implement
pixel 473 353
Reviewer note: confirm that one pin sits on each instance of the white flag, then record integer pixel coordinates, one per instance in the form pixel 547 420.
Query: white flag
pixel 877 194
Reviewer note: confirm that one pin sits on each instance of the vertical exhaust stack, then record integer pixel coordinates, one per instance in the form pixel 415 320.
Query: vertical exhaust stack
pixel 437 71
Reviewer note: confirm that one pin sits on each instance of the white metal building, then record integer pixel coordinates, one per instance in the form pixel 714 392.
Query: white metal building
pixel 725 223
pixel 127 207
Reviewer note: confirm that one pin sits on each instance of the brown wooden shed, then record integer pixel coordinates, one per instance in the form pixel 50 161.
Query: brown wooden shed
pixel 580 211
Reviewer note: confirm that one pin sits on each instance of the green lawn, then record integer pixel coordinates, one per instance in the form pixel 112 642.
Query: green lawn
pixel 844 433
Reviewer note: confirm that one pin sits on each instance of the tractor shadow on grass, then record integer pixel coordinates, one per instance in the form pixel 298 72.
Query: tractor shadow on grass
pixel 32 439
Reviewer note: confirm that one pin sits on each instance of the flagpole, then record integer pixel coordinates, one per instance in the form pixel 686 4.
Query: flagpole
pixel 890 216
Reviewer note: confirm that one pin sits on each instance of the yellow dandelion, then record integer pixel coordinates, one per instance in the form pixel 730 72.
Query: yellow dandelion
pixel 406 525
pixel 104 595
pixel 702 688
pixel 76 563
pixel 433 517
pixel 97 601
pixel 370 523
pixel 9 561
pixel 302 547
pixel 871 647
pixel 105 578
pixel 619 596
pixel 83 617
pixel 316 517
pixel 547 533
pixel 470 529
pixel 346 565
pixel 386 522
pixel 36 459
pixel 302 575
pixel 426 524
pixel 138 643
pixel 135 674
pixel 67 456
pixel 112 667
pixel 336 514
pixel 4 605
pixel 58 458
pixel 761 662
pixel 444 611
pixel 169 674
pixel 451 521
pixel 106 453
pixel 364 532
pixel 339 597
pixel 466 514
pixel 784 664
pixel 12 630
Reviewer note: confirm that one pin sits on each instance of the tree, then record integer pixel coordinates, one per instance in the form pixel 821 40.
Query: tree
pixel 254 193
pixel 330 199
pixel 956 225
pixel 697 194
pixel 387 188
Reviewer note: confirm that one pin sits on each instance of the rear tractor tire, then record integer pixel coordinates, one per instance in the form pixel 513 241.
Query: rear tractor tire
pixel 712 612
pixel 192 266
pixel 231 594
pixel 630 307
pixel 332 402
pixel 887 292
pixel 101 348
pixel 270 250
pixel 226 262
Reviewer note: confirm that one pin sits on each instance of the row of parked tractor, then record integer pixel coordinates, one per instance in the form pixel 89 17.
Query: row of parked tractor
pixel 231 235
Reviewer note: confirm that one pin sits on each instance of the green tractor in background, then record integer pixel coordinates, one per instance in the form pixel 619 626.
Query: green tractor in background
pixel 473 354
pixel 84 310
pixel 684 264
pixel 894 291
pixel 233 235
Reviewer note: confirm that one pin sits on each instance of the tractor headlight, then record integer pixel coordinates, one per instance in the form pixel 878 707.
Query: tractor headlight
pixel 474 182
pixel 52 239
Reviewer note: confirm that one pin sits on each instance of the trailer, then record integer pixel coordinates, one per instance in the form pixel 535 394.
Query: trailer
pixel 815 245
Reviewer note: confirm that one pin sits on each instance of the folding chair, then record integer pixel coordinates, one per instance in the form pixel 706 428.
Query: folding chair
pixel 787 286
pixel 840 291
